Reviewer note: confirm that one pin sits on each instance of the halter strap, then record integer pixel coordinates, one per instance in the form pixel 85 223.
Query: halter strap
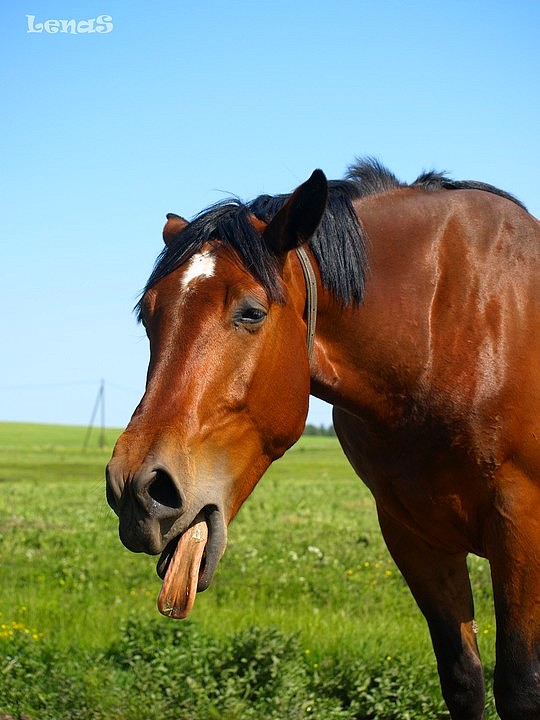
pixel 311 298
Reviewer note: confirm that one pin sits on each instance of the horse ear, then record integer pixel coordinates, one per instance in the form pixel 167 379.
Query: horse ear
pixel 173 226
pixel 299 218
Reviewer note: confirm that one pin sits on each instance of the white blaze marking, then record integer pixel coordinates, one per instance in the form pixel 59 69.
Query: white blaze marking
pixel 201 265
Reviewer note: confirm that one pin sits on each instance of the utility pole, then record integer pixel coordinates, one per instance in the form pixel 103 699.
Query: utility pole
pixel 99 404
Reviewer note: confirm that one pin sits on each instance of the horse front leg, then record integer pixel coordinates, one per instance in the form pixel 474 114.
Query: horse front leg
pixel 440 585
pixel 513 550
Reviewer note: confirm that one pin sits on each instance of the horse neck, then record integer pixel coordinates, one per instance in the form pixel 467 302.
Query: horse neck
pixel 371 356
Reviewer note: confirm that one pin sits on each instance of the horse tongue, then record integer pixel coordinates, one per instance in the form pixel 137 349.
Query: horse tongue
pixel 180 583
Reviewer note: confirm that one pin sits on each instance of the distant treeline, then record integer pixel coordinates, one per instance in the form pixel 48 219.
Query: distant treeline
pixel 320 430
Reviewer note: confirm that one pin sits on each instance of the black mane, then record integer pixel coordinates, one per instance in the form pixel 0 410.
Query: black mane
pixel 440 181
pixel 339 245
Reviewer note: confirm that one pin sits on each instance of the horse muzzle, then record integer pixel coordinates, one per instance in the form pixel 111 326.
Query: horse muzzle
pixel 154 517
pixel 149 505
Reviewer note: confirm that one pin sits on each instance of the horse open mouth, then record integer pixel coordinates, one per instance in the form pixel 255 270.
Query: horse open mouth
pixel 188 563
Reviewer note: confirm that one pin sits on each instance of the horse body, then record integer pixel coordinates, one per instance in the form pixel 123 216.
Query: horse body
pixel 435 404
pixel 438 369
pixel 434 378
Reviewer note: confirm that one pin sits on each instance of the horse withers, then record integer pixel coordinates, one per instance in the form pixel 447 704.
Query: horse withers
pixel 426 343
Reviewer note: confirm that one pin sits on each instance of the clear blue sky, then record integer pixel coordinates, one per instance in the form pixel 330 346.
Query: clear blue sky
pixel 103 134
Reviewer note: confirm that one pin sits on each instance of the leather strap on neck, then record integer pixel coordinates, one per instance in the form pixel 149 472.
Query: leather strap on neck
pixel 311 297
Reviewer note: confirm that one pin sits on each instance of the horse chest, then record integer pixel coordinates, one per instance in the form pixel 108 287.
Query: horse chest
pixel 435 489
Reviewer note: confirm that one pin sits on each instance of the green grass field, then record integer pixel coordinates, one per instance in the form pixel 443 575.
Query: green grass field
pixel 307 616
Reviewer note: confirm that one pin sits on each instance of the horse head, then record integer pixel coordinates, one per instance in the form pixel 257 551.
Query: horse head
pixel 227 387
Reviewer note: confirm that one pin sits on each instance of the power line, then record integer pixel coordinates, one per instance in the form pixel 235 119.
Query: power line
pixel 45 386
pixel 51 386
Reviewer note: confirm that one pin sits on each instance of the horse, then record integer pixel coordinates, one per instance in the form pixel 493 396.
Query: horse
pixel 414 310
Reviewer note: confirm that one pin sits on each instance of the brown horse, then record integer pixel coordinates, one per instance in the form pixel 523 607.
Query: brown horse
pixel 427 345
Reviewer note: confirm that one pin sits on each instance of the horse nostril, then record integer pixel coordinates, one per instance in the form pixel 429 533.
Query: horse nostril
pixel 163 490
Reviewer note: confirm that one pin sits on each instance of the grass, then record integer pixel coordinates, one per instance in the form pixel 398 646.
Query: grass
pixel 307 615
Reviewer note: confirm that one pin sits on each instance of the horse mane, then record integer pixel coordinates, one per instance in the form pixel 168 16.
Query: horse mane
pixel 339 245
pixel 435 181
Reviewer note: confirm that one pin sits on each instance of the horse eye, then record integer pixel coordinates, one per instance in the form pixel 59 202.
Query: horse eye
pixel 253 315
pixel 249 314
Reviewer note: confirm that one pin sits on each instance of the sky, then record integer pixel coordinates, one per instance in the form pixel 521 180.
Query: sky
pixel 182 104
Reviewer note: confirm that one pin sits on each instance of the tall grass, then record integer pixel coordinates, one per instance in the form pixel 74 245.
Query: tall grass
pixel 307 615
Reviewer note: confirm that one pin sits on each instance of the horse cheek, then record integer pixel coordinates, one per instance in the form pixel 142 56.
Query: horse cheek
pixel 281 396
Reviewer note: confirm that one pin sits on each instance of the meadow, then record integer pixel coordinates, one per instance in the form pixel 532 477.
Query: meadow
pixel 307 616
